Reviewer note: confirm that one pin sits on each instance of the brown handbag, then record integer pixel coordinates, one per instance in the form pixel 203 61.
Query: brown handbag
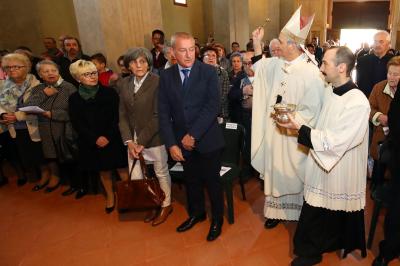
pixel 139 194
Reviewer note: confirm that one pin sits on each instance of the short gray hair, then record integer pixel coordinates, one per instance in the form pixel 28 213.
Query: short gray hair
pixel 166 49
pixel 383 32
pixel 183 35
pixel 236 54
pixel 45 62
pixel 134 53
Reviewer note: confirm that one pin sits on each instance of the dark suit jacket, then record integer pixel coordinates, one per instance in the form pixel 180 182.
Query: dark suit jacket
pixel 139 111
pixel 370 70
pixel 192 111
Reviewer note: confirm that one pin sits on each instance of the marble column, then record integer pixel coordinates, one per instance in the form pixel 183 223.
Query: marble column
pixel 259 11
pixel 394 24
pixel 227 21
pixel 111 27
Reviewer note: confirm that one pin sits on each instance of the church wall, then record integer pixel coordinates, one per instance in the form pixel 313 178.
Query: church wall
pixel 179 18
pixel 28 22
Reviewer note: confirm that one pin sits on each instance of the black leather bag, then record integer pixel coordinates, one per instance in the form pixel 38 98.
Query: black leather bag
pixel 66 147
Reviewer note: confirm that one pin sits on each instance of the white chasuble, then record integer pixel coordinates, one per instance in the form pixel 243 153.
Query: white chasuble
pixel 275 153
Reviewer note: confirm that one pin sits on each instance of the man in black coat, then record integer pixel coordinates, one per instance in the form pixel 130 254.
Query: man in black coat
pixel 188 107
pixel 73 52
pixel 372 68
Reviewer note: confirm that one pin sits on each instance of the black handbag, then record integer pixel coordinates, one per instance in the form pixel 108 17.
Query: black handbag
pixel 66 145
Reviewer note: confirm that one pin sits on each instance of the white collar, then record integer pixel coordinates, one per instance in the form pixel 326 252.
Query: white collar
pixel 138 83
pixel 388 91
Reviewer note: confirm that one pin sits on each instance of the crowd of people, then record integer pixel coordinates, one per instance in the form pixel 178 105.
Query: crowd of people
pixel 66 117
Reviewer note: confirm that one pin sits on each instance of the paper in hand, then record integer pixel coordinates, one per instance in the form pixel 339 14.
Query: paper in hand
pixel 32 109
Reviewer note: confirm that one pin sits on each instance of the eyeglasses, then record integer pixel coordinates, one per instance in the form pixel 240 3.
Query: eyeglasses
pixel 247 63
pixel 90 74
pixel 7 68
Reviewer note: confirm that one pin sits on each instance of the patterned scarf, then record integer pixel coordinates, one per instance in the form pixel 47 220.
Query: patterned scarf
pixel 11 92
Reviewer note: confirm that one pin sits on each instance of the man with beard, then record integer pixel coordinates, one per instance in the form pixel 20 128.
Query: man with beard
pixel 73 52
pixel 332 216
pixel 291 79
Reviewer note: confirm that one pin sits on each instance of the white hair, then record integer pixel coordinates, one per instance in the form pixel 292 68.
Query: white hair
pixel 383 32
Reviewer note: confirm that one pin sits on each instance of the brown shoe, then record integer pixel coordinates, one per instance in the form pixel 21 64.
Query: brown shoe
pixel 162 217
pixel 150 215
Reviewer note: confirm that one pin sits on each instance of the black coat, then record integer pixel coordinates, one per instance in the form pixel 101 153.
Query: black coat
pixel 94 118
pixel 370 70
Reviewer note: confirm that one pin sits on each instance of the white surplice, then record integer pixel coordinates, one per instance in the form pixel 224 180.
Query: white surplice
pixel 275 153
pixel 337 165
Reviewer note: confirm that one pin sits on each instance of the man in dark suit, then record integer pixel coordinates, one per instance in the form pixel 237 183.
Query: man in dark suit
pixel 188 107
pixel 372 68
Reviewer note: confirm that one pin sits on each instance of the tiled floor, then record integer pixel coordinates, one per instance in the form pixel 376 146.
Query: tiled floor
pixel 48 229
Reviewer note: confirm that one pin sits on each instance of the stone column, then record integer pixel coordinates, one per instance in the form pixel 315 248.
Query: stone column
pixel 320 9
pixel 111 27
pixel 394 24
pixel 259 10
pixel 227 21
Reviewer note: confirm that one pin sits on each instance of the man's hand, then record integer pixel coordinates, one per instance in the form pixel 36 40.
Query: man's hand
pixel 292 124
pixel 49 91
pixel 258 35
pixel 248 90
pixel 188 142
pixel 102 141
pixel 383 120
pixel 134 149
pixel 176 153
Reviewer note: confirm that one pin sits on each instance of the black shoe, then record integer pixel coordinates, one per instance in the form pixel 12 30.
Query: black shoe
pixel 80 193
pixel 110 209
pixel 21 182
pixel 3 181
pixel 51 189
pixel 190 222
pixel 271 223
pixel 215 230
pixel 39 187
pixel 69 191
pixel 380 261
pixel 306 261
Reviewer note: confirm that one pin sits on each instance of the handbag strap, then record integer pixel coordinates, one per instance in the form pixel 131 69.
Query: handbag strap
pixel 51 120
pixel 142 167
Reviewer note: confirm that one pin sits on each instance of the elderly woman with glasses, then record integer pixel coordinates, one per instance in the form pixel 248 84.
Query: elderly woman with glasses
pixel 51 96
pixel 22 127
pixel 95 116
pixel 139 124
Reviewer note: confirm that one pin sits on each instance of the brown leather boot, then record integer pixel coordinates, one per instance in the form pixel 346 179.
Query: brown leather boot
pixel 162 217
pixel 150 215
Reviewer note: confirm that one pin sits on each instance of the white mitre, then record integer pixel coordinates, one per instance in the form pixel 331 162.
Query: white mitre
pixel 297 29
